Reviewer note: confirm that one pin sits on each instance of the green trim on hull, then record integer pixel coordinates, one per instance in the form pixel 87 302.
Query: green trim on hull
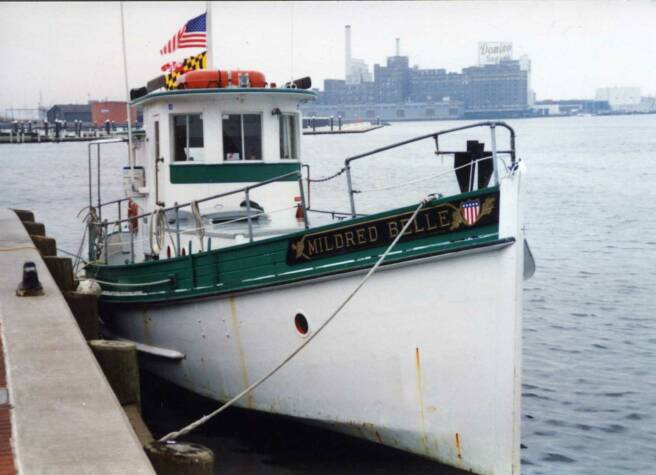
pixel 231 172
pixel 265 263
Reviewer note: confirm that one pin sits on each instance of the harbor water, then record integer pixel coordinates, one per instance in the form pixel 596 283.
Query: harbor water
pixel 589 338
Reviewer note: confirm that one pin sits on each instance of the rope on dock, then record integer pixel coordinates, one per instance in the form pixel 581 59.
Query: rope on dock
pixel 204 419
pixel 17 248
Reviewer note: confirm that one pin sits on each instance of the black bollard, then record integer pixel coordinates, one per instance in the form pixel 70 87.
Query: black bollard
pixel 339 123
pixel 30 285
pixel 331 123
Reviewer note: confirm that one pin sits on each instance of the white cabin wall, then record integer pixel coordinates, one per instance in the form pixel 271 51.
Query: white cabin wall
pixel 212 107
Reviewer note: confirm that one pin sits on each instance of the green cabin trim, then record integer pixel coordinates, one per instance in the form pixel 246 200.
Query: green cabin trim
pixel 307 95
pixel 261 264
pixel 242 172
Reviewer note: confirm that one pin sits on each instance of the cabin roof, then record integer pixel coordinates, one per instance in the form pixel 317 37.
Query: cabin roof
pixel 300 94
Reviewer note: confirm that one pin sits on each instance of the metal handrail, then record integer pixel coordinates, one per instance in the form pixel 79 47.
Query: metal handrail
pixel 176 208
pixel 220 195
pixel 435 136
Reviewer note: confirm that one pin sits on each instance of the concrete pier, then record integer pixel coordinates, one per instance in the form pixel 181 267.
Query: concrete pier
pixel 64 416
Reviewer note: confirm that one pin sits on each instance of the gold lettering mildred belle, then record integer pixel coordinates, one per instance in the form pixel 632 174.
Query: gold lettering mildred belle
pixel 436 220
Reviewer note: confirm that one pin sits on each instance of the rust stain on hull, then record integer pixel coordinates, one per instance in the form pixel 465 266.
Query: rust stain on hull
pixel 240 350
pixel 458 447
pixel 420 392
pixel 146 327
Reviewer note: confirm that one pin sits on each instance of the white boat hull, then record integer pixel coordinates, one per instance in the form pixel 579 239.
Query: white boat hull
pixel 425 358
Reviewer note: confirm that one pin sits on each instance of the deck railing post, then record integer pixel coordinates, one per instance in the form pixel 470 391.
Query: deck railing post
pixel 177 228
pixel 309 200
pixel 248 216
pixel 92 247
pixel 350 189
pixel 493 138
pixel 103 229
pixel 300 186
pixel 131 244
pixel 98 182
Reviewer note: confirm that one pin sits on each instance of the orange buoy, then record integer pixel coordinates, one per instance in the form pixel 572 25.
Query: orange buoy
pixel 209 79
pixel 133 212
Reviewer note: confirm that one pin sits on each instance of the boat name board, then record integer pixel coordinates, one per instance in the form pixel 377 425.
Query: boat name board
pixel 443 218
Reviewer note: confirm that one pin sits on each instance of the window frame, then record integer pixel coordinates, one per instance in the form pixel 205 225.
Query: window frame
pixel 295 141
pixel 187 115
pixel 243 138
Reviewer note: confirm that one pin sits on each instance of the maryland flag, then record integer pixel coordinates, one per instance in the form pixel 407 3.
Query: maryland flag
pixel 189 64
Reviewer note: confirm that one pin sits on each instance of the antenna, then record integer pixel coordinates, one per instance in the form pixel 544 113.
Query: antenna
pixel 208 28
pixel 127 101
pixel 291 41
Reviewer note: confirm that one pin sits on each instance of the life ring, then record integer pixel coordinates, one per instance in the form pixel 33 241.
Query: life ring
pixel 157 230
pixel 198 221
pixel 133 212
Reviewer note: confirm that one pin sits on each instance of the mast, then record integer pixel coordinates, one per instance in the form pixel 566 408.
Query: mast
pixel 210 49
pixel 127 101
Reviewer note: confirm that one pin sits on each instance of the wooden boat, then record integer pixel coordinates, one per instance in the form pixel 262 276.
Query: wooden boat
pixel 217 268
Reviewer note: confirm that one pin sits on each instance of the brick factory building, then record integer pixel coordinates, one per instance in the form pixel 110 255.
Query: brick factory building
pixel 114 111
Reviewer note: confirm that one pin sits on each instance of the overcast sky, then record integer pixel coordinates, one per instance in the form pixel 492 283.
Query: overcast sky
pixel 72 51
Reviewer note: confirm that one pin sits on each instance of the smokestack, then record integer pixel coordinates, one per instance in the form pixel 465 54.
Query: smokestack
pixel 398 46
pixel 347 53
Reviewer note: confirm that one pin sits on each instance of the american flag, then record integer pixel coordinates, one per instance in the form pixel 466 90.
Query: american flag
pixel 470 210
pixel 192 35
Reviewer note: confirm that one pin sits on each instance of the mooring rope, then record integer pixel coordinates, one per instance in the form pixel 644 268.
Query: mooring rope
pixel 17 248
pixel 204 419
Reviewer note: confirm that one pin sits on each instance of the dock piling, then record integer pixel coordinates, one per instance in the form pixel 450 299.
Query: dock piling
pixel 61 269
pixel 85 310
pixel 34 229
pixel 47 246
pixel 118 360
pixel 24 215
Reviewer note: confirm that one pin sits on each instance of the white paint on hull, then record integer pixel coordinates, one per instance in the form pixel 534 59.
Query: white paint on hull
pixel 426 358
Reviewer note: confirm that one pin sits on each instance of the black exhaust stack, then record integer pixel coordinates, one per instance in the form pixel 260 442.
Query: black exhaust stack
pixel 301 83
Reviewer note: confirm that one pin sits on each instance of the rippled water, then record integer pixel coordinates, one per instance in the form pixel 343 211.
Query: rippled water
pixel 589 393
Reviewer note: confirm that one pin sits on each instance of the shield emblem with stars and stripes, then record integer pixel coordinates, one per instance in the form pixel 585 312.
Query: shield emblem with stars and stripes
pixel 470 211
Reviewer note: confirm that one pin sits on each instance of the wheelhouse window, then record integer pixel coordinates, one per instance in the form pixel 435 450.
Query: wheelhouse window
pixel 242 137
pixel 188 143
pixel 288 137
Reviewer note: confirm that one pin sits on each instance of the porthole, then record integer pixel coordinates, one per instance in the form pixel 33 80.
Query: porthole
pixel 301 324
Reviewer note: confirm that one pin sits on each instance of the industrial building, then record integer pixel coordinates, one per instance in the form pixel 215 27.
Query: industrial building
pixel 497 87
pixel 112 111
pixel 94 113
pixel 571 107
pixel 69 113
pixel 624 99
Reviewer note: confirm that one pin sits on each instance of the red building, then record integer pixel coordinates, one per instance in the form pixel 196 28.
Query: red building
pixel 114 111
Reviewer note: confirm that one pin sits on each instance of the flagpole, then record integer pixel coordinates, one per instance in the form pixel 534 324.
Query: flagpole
pixel 127 100
pixel 210 49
